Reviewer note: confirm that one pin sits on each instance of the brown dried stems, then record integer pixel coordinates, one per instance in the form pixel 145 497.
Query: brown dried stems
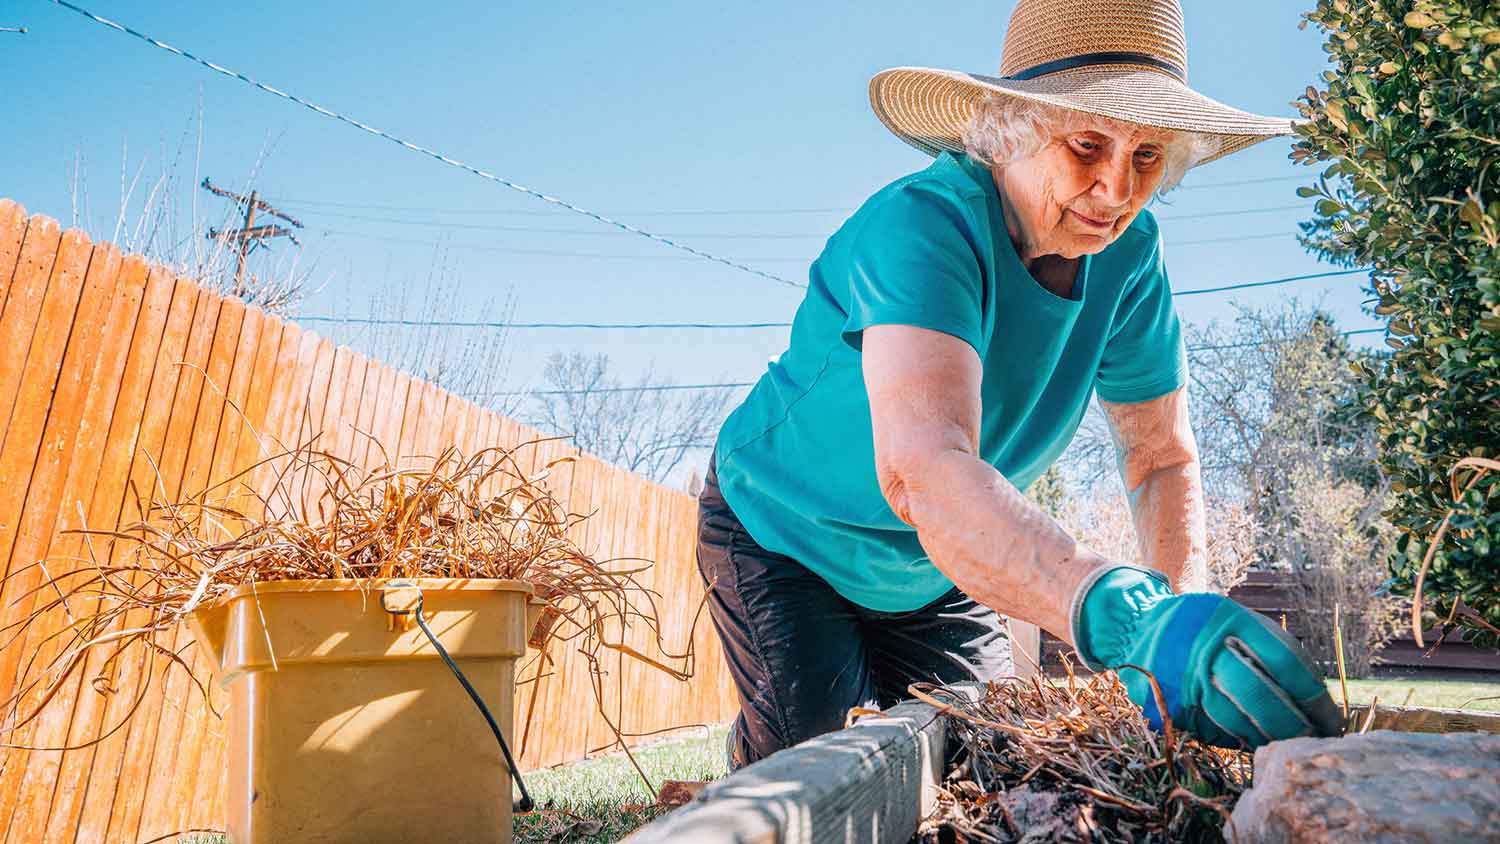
pixel 323 517
pixel 1076 761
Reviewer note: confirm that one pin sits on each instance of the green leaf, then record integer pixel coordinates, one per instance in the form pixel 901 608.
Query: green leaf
pixel 1306 192
pixel 1471 213
pixel 1329 207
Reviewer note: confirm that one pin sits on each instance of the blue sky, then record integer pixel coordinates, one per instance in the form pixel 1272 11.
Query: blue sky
pixel 629 109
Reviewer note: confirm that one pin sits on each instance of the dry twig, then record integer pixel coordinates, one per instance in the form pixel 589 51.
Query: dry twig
pixel 1076 761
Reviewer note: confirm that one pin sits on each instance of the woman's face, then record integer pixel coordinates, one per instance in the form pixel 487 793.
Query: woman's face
pixel 1082 189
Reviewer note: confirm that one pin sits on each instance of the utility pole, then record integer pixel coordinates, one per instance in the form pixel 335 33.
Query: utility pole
pixel 248 236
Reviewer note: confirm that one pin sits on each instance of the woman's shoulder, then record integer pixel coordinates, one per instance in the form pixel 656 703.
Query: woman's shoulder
pixel 946 178
pixel 943 194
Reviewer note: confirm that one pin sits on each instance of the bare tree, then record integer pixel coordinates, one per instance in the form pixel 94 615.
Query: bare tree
pixel 1335 541
pixel 643 428
pixel 1100 518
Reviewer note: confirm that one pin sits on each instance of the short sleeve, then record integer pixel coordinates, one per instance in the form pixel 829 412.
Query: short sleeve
pixel 914 262
pixel 1144 357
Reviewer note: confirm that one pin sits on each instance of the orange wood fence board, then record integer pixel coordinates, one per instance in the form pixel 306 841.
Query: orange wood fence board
pixel 33 466
pixel 350 407
pixel 85 477
pixel 129 753
pixel 12 229
pixel 160 716
pixel 196 790
pixel 103 720
pixel 53 483
pixel 23 304
pixel 173 772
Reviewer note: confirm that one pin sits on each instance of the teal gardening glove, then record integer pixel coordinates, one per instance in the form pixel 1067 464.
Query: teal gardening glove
pixel 1228 675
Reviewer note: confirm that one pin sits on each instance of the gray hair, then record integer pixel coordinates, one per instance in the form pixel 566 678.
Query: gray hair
pixel 1005 129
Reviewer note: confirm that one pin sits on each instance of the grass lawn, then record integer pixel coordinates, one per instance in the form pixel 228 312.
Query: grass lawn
pixel 1437 694
pixel 602 800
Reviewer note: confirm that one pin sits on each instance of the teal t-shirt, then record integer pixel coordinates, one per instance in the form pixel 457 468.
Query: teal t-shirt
pixel 796 460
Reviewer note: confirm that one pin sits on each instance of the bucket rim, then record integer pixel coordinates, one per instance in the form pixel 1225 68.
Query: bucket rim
pixel 365 584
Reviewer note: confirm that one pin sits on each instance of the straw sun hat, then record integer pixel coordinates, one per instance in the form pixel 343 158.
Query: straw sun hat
pixel 1125 59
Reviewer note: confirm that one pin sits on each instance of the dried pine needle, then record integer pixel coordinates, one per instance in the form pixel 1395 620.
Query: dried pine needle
pixel 1075 760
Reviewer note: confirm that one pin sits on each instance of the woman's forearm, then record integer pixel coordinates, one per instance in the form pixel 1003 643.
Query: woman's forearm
pixel 989 539
pixel 1170 522
pixel 1160 467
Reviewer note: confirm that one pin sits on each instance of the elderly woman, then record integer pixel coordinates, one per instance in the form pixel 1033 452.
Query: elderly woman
pixel 863 525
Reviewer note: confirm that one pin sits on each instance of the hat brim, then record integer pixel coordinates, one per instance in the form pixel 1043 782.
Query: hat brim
pixel 929 108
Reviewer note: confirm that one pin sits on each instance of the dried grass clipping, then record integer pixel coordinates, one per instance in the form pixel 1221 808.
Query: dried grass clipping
pixel 1075 761
pixel 304 514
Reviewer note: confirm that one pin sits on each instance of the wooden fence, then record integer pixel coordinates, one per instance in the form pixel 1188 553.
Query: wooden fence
pixel 117 376
pixel 1271 593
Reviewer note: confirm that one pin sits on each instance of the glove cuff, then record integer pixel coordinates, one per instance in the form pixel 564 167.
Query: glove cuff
pixel 1107 609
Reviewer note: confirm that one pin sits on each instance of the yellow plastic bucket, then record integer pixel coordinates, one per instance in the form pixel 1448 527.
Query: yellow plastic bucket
pixel 344 723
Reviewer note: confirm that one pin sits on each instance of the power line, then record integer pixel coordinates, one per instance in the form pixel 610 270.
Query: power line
pixel 446 224
pixel 698 212
pixel 546 230
pixel 563 253
pixel 1234 213
pixel 1229 239
pixel 645 388
pixel 656 388
pixel 326 318
pixel 1221 347
pixel 452 162
pixel 568 253
pixel 1239 182
pixel 480 212
pixel 438 323
pixel 1268 283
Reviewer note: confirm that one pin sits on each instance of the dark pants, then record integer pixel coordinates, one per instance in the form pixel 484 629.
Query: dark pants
pixel 802 655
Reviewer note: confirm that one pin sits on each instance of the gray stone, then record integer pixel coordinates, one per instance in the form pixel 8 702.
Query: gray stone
pixel 868 784
pixel 1374 788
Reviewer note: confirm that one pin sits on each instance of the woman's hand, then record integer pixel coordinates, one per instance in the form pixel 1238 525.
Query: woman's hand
pixel 1227 674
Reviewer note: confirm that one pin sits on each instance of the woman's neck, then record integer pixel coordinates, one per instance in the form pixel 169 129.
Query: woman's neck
pixel 1050 270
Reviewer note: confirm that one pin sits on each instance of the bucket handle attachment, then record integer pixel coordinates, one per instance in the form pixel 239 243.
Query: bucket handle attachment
pixel 402 598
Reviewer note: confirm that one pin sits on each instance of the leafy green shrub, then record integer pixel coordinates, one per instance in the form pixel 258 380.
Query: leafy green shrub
pixel 1409 123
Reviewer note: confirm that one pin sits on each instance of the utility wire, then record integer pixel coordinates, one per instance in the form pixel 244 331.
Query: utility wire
pixel 1239 182
pixel 563 253
pixel 566 253
pixel 452 162
pixel 646 388
pixel 328 318
pixel 1230 239
pixel 1235 213
pixel 658 388
pixel 446 224
pixel 529 325
pixel 546 230
pixel 1268 283
pixel 694 212
pixel 1221 347
pixel 525 212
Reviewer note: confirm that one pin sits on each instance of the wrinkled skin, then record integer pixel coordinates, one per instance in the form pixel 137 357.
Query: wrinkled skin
pixel 1073 197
